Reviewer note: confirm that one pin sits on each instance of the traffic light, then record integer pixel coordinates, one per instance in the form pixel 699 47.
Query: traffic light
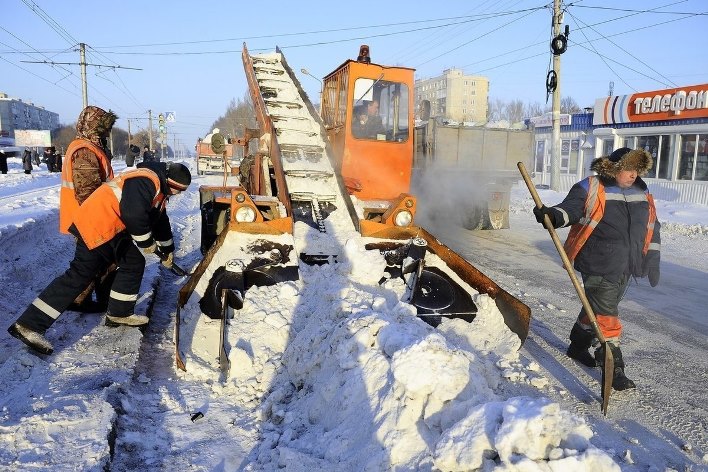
pixel 161 122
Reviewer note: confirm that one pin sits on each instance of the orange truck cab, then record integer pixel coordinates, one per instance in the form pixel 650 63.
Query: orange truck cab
pixel 367 110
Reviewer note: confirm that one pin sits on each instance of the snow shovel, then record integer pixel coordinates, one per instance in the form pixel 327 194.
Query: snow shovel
pixel 609 363
pixel 174 268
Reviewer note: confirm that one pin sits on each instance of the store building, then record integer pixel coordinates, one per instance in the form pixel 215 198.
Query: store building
pixel 671 124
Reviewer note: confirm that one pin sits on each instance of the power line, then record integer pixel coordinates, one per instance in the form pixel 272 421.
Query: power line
pixel 51 22
pixel 578 22
pixel 39 76
pixel 80 63
pixel 467 18
pixel 577 43
pixel 475 39
pixel 318 43
pixel 653 10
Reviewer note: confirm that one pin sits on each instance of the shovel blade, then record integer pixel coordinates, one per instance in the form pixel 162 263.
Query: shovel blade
pixel 608 369
pixel 177 270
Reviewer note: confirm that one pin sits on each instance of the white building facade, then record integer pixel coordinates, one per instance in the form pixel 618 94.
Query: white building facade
pixel 18 115
pixel 671 124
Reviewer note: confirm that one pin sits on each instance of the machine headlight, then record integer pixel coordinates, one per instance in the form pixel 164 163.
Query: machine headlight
pixel 403 218
pixel 245 214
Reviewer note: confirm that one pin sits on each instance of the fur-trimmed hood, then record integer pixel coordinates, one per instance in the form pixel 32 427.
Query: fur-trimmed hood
pixel 623 159
pixel 95 124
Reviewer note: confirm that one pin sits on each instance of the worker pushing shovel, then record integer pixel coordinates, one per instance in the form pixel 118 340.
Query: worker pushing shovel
pixel 614 236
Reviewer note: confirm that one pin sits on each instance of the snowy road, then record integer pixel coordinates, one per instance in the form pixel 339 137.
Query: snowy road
pixel 665 339
pixel 120 401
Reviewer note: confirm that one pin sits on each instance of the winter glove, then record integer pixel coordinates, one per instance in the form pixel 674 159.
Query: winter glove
pixel 167 260
pixel 150 249
pixel 539 213
pixel 651 267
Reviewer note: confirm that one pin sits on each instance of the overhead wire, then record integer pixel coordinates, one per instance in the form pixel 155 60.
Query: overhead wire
pixel 422 44
pixel 476 38
pixel 502 54
pixel 51 22
pixel 579 22
pixel 62 32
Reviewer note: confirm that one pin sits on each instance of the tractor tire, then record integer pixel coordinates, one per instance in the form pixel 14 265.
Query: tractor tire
pixel 474 218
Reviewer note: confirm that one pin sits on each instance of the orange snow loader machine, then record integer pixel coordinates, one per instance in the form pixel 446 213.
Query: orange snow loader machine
pixel 316 171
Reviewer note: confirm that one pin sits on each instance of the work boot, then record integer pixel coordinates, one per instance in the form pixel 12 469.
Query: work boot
pixel 580 341
pixel 36 341
pixel 619 379
pixel 129 320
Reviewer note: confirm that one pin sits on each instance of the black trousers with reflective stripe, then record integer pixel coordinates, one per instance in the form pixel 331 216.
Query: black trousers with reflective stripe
pixel 59 294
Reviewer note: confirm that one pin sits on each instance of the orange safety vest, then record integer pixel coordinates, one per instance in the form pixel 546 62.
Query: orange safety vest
pixel 594 210
pixel 67 196
pixel 100 218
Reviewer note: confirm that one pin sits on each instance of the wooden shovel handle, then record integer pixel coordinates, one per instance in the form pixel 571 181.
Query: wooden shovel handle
pixel 561 251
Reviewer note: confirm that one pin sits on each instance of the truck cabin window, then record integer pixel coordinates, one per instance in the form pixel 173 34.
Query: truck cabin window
pixel 380 110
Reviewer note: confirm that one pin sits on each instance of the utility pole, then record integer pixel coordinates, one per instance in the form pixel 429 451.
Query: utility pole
pixel 82 63
pixel 555 136
pixel 150 127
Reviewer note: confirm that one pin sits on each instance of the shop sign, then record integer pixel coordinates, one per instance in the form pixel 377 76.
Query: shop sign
pixel 33 138
pixel 546 120
pixel 660 105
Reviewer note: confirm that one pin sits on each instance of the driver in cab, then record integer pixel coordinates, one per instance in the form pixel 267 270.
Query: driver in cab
pixel 367 123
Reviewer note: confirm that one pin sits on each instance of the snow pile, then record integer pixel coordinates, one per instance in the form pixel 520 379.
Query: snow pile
pixel 343 376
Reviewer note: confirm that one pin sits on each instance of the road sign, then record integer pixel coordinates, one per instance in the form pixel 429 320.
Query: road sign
pixel 170 117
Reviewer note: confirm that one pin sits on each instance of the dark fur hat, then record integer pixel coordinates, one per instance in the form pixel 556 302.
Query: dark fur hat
pixel 623 159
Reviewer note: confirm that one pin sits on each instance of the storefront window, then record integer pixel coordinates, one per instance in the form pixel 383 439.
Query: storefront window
pixel 540 155
pixel 569 156
pixel 574 150
pixel 607 146
pixel 659 147
pixel 693 158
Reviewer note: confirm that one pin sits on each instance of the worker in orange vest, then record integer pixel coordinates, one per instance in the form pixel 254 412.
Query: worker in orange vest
pixel 122 216
pixel 87 165
pixel 614 236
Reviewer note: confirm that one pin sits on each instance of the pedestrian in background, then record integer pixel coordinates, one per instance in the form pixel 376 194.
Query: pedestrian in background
pixel 27 161
pixel 133 152
pixel 48 158
pixel 148 155
pixel 3 162
pixel 57 161
pixel 614 236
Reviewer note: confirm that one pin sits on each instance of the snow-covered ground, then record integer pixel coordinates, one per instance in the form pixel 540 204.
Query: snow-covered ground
pixel 332 373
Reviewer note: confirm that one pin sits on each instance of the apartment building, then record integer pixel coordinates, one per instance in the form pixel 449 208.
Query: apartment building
pixel 18 115
pixel 454 96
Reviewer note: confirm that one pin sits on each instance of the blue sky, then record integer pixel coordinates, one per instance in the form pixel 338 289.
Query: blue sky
pixel 189 53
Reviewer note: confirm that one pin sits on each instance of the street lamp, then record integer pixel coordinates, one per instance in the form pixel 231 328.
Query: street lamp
pixel 306 72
